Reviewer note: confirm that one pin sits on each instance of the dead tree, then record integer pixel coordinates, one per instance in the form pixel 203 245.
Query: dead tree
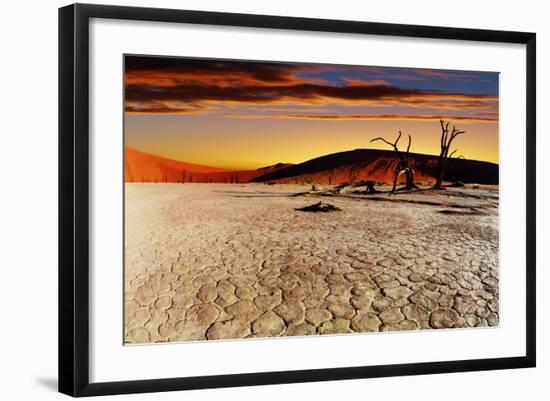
pixel 309 181
pixel 183 174
pixel 445 144
pixel 370 187
pixel 403 166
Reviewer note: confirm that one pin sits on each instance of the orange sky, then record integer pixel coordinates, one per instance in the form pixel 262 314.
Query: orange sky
pixel 243 115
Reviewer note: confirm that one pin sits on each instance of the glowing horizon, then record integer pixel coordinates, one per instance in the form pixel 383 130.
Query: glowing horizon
pixel 246 115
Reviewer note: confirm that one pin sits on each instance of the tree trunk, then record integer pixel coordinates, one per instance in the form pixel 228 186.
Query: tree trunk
pixel 403 163
pixel 410 179
pixel 446 141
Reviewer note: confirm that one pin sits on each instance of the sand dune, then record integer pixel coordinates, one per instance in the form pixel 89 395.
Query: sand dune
pixel 379 165
pixel 144 167
pixel 335 168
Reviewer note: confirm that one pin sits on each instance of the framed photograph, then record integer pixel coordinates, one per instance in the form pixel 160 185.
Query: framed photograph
pixel 250 199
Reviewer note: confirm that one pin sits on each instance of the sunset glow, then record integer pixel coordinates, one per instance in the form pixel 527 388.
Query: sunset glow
pixel 242 115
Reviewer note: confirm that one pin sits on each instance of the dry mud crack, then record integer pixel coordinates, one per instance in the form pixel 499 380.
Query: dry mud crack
pixel 214 261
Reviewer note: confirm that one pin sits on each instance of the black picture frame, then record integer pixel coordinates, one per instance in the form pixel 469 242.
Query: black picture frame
pixel 74 198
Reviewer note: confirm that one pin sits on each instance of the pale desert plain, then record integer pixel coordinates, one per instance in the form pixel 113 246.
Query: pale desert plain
pixel 228 261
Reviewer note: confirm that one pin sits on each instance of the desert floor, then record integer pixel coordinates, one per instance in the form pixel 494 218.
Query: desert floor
pixel 214 261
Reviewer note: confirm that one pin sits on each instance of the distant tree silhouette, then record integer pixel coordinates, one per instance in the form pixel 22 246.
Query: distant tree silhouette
pixel 403 166
pixel 183 174
pixel 370 187
pixel 446 141
pixel 309 181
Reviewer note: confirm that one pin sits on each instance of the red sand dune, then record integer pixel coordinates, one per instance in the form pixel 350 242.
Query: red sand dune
pixel 144 167
pixel 351 166
pixel 379 165
pixel 238 176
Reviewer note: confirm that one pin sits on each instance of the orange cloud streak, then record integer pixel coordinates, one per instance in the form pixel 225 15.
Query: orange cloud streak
pixel 393 117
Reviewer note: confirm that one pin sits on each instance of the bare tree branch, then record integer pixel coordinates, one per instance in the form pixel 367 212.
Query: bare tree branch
pixel 446 141
pixel 403 166
pixel 397 140
pixel 382 139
